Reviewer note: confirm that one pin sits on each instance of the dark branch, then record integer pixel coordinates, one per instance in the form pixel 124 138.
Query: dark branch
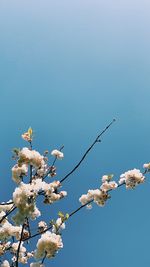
pixel 10 211
pixel 18 250
pixel 88 150
pixel 6 203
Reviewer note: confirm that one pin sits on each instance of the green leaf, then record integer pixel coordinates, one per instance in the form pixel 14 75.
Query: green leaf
pixel 61 215
pixel 30 131
pixel 67 216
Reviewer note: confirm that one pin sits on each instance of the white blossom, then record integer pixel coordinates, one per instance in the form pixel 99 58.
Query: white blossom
pixel 146 166
pixel 5 264
pixel 23 258
pixel 36 264
pixel 58 154
pixel 52 194
pixel 2 214
pixel 85 198
pixel 8 230
pixel 24 198
pixel 42 226
pixel 27 136
pixel 97 195
pixel 31 157
pixel 6 207
pixel 49 243
pixel 106 178
pixel 106 186
pixel 3 247
pixel 18 172
pixel 59 225
pixel 132 178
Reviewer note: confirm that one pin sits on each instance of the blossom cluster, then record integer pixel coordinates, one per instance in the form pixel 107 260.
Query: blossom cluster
pixel 33 176
pixel 49 243
pixel 29 173
pixel 132 178
pixel 100 195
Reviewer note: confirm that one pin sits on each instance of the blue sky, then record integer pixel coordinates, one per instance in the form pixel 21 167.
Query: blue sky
pixel 67 68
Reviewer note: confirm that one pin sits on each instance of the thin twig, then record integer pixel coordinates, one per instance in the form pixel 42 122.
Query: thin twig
pixel 44 258
pixel 7 203
pixel 30 142
pixel 52 165
pixel 74 212
pixel 87 151
pixel 10 211
pixel 30 174
pixel 61 148
pixel 18 250
pixel 70 215
pixel 28 225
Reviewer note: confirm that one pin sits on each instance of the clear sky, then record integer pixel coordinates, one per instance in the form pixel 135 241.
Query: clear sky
pixel 67 68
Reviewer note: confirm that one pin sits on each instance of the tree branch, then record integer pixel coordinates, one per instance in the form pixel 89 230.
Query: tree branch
pixel 87 151
pixel 10 211
pixel 18 250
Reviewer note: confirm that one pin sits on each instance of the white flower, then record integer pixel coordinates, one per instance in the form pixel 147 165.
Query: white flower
pixel 18 172
pixel 7 230
pixel 89 206
pixel 5 264
pixel 51 193
pixel 146 166
pixel 59 225
pixel 32 157
pixel 36 264
pixel 132 178
pixel 6 207
pixel 3 247
pixel 122 180
pixel 49 243
pixel 23 258
pixel 27 136
pixel 97 195
pixel 2 214
pixel 42 226
pixel 106 186
pixel 107 178
pixel 15 247
pixel 58 154
pixel 24 198
pixel 84 199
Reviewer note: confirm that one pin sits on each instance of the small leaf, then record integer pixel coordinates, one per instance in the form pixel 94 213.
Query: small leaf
pixel 67 216
pixel 61 215
pixel 30 131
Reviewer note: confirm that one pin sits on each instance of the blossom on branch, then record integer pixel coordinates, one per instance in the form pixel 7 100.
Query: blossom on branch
pixel 16 231
pixel 5 264
pixel 18 172
pixel 97 195
pixel 49 243
pixel 36 264
pixel 28 135
pixel 132 178
pixel 147 166
pixel 31 157
pixel 106 186
pixel 58 154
